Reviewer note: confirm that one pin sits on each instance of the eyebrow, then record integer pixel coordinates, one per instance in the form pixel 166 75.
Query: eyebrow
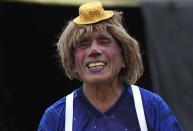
pixel 106 35
pixel 85 35
pixel 103 34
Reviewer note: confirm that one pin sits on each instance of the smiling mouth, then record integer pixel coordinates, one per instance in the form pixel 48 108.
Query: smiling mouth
pixel 96 64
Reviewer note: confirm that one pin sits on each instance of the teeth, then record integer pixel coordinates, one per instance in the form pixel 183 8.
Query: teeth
pixel 96 64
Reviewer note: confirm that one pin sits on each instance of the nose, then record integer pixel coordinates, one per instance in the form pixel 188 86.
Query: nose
pixel 94 50
pixel 94 53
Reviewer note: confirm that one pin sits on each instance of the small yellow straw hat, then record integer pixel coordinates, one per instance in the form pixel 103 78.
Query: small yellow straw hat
pixel 92 12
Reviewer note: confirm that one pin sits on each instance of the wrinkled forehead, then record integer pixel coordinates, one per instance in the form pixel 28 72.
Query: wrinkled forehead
pixel 85 31
pixel 102 34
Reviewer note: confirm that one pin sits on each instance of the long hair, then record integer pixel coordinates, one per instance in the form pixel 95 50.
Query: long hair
pixel 129 47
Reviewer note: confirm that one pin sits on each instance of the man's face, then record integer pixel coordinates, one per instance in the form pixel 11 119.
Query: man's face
pixel 98 58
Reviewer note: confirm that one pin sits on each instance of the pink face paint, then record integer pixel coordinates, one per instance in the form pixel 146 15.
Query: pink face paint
pixel 79 53
pixel 98 58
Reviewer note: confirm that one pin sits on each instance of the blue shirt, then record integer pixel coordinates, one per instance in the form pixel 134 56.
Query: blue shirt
pixel 120 117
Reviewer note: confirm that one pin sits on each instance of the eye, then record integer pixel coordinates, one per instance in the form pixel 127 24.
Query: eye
pixel 83 44
pixel 105 41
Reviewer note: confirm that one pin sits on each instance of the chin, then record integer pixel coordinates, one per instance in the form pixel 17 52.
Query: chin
pixel 98 80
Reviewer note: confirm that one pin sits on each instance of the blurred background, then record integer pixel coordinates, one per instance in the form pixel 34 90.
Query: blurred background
pixel 31 77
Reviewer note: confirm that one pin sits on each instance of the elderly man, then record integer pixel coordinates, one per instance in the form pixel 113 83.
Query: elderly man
pixel 96 49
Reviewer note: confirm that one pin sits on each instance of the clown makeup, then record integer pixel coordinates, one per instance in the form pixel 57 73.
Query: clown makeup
pixel 98 58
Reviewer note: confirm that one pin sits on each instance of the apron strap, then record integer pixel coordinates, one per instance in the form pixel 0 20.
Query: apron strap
pixel 69 112
pixel 137 102
pixel 139 107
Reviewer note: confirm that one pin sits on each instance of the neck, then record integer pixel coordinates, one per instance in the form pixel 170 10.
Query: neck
pixel 102 96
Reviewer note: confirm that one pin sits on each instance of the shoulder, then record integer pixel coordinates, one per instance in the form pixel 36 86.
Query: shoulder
pixel 54 116
pixel 153 102
pixel 51 117
pixel 150 98
pixel 158 114
pixel 58 106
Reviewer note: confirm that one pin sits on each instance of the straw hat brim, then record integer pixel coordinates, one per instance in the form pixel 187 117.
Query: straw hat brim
pixel 107 15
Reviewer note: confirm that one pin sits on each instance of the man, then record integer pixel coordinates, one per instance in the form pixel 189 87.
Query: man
pixel 96 49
